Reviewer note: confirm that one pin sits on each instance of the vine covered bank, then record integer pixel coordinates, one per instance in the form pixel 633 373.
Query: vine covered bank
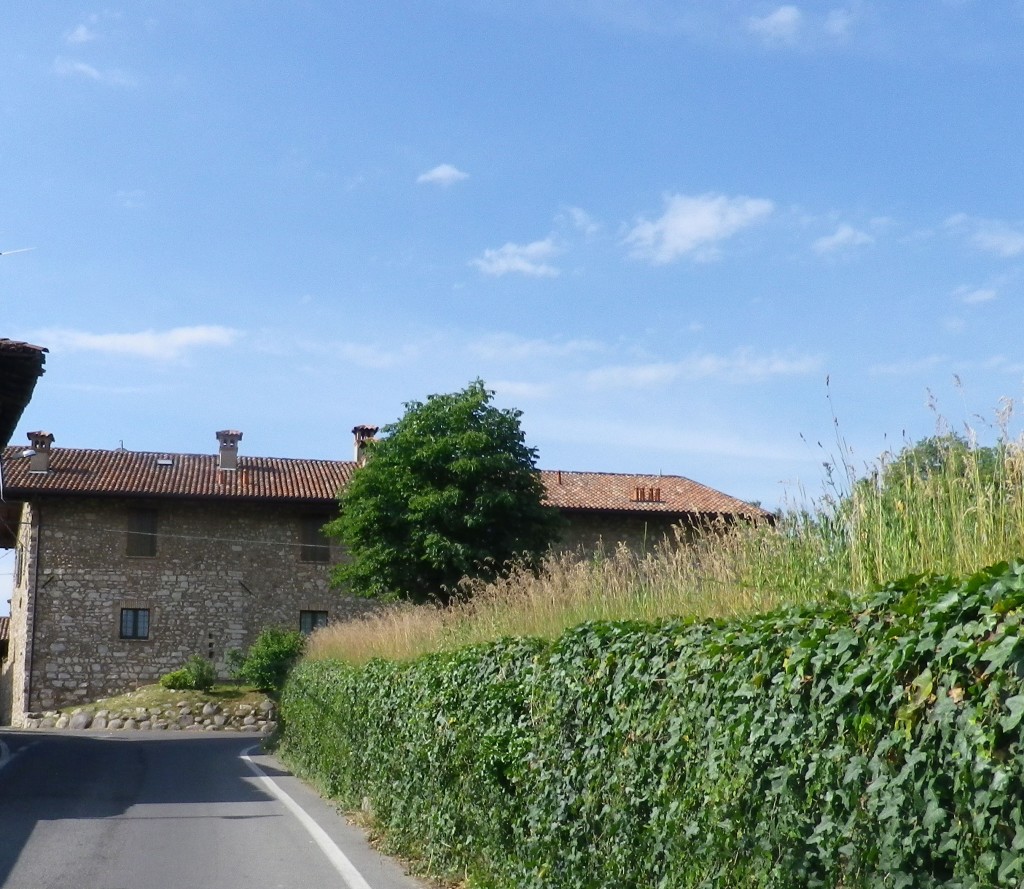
pixel 864 743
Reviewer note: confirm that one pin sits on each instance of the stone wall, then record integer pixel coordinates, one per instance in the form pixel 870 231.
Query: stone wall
pixel 14 676
pixel 587 532
pixel 222 572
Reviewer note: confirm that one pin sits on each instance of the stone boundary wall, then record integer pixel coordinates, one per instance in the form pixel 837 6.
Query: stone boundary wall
pixel 204 716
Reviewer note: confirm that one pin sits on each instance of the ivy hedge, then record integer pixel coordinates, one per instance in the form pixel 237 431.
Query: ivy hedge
pixel 860 744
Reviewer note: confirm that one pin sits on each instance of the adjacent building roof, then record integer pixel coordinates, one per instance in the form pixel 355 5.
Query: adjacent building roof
pixel 81 472
pixel 21 364
pixel 605 491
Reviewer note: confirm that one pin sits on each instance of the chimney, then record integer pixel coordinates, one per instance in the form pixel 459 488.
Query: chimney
pixel 229 439
pixel 363 434
pixel 39 451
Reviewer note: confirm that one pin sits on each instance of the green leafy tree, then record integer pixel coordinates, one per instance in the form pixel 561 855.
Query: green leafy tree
pixel 450 491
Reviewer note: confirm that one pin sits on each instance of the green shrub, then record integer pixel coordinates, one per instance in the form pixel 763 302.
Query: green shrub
pixel 198 674
pixel 859 744
pixel 268 660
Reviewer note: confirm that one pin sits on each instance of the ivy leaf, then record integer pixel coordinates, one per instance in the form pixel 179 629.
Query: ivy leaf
pixel 1000 654
pixel 1016 707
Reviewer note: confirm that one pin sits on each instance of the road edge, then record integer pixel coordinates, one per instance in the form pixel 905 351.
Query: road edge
pixel 348 872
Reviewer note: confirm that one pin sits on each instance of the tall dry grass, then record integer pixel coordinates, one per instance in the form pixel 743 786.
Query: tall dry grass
pixel 951 511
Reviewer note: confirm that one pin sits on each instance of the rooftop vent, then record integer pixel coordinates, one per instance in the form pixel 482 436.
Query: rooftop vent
pixel 229 439
pixel 38 452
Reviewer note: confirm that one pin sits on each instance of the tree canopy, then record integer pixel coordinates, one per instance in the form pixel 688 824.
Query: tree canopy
pixel 450 491
pixel 949 456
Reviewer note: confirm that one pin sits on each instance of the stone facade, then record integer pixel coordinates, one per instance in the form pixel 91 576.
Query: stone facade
pixel 221 572
pixel 587 531
pixel 129 563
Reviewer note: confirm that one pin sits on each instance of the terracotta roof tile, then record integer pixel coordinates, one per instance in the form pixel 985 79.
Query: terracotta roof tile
pixel 146 474
pixel 639 493
pixel 139 473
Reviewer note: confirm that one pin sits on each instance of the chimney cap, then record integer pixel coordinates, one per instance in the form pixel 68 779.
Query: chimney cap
pixel 40 438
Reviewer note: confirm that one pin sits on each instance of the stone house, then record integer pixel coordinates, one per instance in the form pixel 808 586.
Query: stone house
pixel 128 563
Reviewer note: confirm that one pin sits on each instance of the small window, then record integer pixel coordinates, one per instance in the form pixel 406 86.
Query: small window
pixel 134 623
pixel 315 545
pixel 311 620
pixel 141 533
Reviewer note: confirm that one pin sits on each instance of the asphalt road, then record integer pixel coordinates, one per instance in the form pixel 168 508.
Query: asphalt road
pixel 151 810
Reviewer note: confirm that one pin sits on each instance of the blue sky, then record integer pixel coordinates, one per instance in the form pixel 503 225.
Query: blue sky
pixel 654 227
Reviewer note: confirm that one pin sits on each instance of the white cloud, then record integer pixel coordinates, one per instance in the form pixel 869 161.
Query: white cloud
pixel 740 366
pixel 509 347
pixel 377 357
pixel 990 235
pixel 164 345
pixel 637 376
pixel 910 367
pixel 81 34
pixel 514 389
pixel 781 26
pixel 65 67
pixel 582 221
pixel 972 296
pixel 524 259
pixel 743 366
pixel 444 175
pixel 694 225
pixel 844 236
pixel 1002 364
pixel 1000 239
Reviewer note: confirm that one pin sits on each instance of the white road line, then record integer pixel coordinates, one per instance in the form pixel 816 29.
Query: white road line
pixel 353 879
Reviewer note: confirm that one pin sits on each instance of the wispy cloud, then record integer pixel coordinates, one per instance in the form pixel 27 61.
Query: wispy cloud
pixel 990 235
pixel 740 366
pixel 633 376
pixel 166 345
pixel 509 347
pixel 745 366
pixel 694 225
pixel 524 259
pixel 526 391
pixel 781 26
pixel 907 367
pixel 582 221
pixel 972 296
pixel 843 237
pixel 1002 364
pixel 82 34
pixel 444 175
pixel 65 67
pixel 377 357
